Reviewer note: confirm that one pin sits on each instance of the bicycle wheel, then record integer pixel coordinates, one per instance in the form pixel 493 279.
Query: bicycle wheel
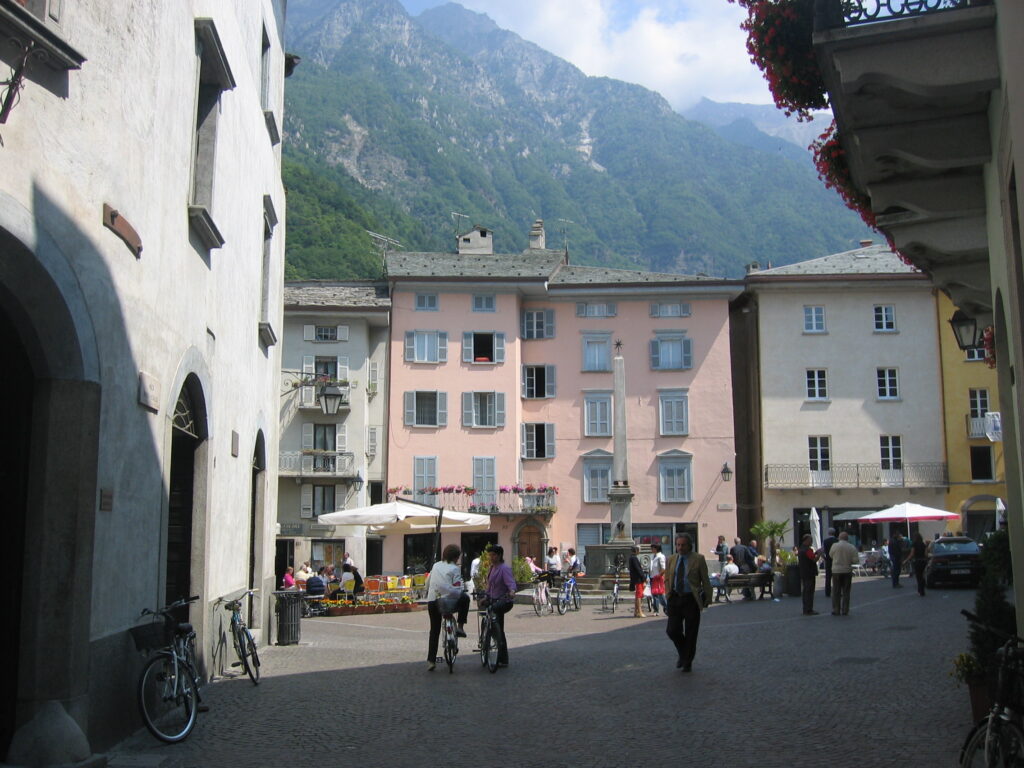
pixel 563 603
pixel 250 659
pixel 577 601
pixel 615 598
pixel 451 645
pixel 490 652
pixel 1002 745
pixel 537 605
pixel 167 699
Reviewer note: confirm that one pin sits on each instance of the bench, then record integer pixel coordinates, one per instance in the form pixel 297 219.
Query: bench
pixel 764 581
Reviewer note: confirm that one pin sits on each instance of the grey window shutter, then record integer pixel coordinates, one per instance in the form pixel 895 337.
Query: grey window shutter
pixel 522 441
pixel 499 409
pixel 339 497
pixel 655 309
pixel 522 378
pixel 549 324
pixel 499 347
pixel 308 365
pixel 612 308
pixel 581 309
pixel 410 409
pixel 342 373
pixel 467 409
pixel 442 347
pixel 687 353
pixel 307 437
pixel 549 441
pixel 523 329
pixel 341 438
pixel 655 354
pixel 549 381
pixel 306 501
pixel 342 333
pixel 467 347
pixel 309 334
pixel 442 409
pixel 410 346
pixel 529 441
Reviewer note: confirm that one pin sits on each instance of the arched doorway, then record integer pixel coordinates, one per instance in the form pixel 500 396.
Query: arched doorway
pixel 188 430
pixel 16 393
pixel 529 540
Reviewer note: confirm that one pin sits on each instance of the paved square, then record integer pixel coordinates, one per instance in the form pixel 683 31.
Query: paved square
pixel 770 687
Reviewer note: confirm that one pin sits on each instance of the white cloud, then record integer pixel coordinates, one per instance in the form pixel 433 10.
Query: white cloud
pixel 684 49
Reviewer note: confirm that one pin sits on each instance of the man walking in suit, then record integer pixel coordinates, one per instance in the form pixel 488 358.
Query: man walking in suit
pixel 688 587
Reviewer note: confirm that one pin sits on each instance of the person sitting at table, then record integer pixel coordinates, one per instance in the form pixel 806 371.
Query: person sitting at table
pixel 304 571
pixel 288 580
pixel 445 584
pixel 350 574
pixel 315 584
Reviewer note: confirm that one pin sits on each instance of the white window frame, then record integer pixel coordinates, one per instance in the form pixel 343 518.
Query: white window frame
pixel 411 407
pixel 326 333
pixel 538 324
pixel 814 319
pixel 670 420
pixel 484 302
pixel 530 448
pixel 887 383
pixel 816 384
pixel 469 347
pixel 675 477
pixel 597 478
pixel 670 309
pixel 974 354
pixel 427 302
pixel 529 382
pixel 978 402
pixel 885 318
pixel 597 414
pixel 890 451
pixel 479 407
pixel 430 347
pixel 596 309
pixel 597 340
pixel 666 340
pixel 819 453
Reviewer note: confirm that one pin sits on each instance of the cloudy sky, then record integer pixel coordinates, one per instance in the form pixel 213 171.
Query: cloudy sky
pixel 684 49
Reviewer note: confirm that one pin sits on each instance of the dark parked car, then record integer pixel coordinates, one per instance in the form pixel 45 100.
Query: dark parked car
pixel 954 560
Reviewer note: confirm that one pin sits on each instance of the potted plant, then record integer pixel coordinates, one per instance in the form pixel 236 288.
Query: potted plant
pixel 770 533
pixel 978 667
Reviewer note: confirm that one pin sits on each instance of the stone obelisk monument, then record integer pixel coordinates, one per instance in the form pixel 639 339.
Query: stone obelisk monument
pixel 604 558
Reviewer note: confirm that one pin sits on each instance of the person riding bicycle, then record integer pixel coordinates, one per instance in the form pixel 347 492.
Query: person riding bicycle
pixel 501 592
pixel 445 583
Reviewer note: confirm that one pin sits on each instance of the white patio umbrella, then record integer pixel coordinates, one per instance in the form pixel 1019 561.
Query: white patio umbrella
pixel 1000 514
pixel 406 516
pixel 907 512
pixel 815 529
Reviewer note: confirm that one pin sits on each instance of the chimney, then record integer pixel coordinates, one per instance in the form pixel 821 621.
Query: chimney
pixel 479 241
pixel 753 267
pixel 865 243
pixel 537 235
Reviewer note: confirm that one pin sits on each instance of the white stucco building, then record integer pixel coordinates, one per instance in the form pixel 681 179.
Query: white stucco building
pixel 141 256
pixel 335 334
pixel 848 416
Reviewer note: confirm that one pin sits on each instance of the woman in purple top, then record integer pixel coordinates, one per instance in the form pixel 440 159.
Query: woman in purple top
pixel 501 584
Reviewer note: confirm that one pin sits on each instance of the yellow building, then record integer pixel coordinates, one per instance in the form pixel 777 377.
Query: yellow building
pixel 975 463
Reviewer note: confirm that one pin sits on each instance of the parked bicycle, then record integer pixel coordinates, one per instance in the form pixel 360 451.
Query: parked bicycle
pixel 168 691
pixel 998 740
pixel 245 645
pixel 568 595
pixel 542 598
pixel 611 601
pixel 491 635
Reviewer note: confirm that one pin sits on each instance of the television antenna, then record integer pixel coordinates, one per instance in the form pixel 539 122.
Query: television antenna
pixel 565 239
pixel 383 243
pixel 455 218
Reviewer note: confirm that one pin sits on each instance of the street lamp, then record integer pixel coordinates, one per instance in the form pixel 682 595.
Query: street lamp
pixel 330 399
pixel 965 329
pixel 357 483
pixel 726 472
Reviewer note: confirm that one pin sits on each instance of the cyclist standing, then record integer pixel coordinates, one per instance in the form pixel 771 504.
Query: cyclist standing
pixel 445 580
pixel 501 592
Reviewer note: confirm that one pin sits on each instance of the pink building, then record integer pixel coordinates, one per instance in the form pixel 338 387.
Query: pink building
pixel 500 381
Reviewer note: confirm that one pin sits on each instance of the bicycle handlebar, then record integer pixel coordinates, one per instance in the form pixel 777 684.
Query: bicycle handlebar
pixel 170 607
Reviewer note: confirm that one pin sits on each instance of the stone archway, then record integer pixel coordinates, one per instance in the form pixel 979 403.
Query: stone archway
pixel 529 539
pixel 978 515
pixel 257 511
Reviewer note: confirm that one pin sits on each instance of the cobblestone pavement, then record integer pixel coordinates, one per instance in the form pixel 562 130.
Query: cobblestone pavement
pixel 770 687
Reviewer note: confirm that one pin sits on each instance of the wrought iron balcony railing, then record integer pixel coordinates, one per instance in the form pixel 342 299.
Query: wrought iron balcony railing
pixel 542 503
pixel 927 475
pixel 321 463
pixel 837 13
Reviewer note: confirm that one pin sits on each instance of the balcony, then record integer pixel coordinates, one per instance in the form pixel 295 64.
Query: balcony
pixel 537 503
pixel 910 83
pixel 319 464
pixel 790 476
pixel 976 426
pixel 308 396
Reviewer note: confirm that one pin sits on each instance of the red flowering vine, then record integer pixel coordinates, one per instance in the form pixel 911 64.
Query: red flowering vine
pixel 988 342
pixel 779 42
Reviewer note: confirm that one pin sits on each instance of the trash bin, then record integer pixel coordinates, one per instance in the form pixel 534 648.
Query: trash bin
pixel 289 612
pixel 793 580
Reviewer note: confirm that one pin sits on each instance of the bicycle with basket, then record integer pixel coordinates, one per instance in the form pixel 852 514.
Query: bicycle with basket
pixel 168 688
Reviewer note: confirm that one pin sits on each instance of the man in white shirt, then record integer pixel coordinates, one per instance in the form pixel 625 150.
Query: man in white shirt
pixel 843 555
pixel 474 570
pixel 657 572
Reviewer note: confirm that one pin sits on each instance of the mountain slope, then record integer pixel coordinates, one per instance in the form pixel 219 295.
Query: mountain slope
pixel 412 120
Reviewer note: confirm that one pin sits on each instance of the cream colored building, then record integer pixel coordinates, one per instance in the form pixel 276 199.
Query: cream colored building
pixel 850 411
pixel 141 256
